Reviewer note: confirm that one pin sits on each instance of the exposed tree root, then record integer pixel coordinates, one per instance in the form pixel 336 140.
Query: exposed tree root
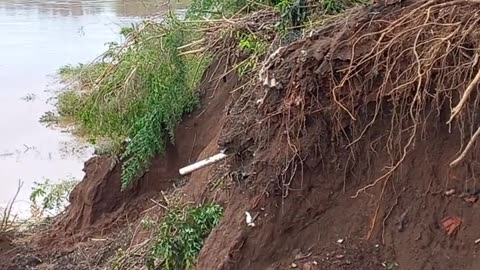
pixel 470 144
pixel 404 65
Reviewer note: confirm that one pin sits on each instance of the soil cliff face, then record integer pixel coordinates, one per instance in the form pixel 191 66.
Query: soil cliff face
pixel 342 152
pixel 339 149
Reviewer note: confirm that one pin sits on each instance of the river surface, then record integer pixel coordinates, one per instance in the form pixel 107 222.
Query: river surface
pixel 38 37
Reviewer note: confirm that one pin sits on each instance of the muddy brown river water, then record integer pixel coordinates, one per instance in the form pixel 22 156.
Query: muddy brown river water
pixel 38 37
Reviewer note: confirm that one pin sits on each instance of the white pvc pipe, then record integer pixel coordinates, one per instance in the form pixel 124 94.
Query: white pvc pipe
pixel 202 163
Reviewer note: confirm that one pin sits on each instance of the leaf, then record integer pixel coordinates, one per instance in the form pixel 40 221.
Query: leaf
pixel 451 224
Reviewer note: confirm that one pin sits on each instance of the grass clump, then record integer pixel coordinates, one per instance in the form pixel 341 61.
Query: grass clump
pixel 137 92
pixel 181 236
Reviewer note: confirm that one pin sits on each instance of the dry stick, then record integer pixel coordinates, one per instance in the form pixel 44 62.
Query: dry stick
pixel 191 44
pixel 465 152
pixel 192 51
pixel 7 212
pixel 465 96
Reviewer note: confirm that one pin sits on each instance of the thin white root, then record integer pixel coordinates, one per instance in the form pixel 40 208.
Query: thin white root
pixel 467 149
pixel 465 97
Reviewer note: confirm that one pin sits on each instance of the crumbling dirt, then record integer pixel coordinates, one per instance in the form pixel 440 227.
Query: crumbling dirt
pixel 344 160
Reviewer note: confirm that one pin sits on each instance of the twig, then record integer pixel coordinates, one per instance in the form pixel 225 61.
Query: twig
pixel 159 204
pixel 192 51
pixel 7 212
pixel 465 151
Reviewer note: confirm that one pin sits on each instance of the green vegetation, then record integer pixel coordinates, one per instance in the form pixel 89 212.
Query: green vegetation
pixel 139 90
pixel 180 236
pixel 51 197
pixel 200 9
pixel 255 47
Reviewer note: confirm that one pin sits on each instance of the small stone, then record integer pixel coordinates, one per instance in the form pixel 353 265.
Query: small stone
pixel 377 245
pixel 449 192
pixel 340 241
pixel 294 265
pixel 340 256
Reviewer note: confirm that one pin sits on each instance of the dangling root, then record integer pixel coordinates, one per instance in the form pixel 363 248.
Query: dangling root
pixel 465 96
pixel 470 144
pixel 404 65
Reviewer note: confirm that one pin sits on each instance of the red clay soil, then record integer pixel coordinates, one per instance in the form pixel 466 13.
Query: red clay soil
pixel 97 203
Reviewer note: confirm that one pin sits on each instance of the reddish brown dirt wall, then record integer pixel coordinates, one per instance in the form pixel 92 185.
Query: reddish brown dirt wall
pixel 97 200
pixel 319 211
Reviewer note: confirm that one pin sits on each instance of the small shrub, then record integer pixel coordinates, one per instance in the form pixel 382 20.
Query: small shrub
pixel 50 197
pixel 181 235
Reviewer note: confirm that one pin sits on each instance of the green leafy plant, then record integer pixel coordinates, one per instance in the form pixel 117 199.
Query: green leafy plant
pixel 51 197
pixel 293 12
pixel 137 91
pixel 255 47
pixel 181 235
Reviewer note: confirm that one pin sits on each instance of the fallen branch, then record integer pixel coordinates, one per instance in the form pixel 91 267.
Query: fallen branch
pixel 467 149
